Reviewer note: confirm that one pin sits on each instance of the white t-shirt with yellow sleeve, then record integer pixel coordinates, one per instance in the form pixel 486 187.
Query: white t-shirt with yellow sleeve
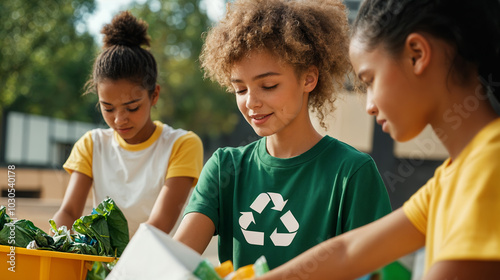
pixel 133 174
pixel 458 209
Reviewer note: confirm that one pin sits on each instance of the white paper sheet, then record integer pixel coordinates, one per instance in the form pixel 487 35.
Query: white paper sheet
pixel 152 254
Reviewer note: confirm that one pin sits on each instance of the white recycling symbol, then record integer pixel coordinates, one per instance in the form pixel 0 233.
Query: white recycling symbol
pixel 288 220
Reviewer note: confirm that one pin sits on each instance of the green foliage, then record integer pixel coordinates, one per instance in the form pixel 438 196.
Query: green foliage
pixel 95 227
pixel 108 226
pixel 103 233
pixel 63 241
pixel 100 270
pixel 4 218
pixel 186 99
pixel 44 61
pixel 24 232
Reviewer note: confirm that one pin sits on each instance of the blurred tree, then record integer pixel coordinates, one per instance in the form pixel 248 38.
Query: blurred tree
pixel 44 61
pixel 186 99
pixel 46 57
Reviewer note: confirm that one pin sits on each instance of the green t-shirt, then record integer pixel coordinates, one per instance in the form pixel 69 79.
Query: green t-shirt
pixel 262 205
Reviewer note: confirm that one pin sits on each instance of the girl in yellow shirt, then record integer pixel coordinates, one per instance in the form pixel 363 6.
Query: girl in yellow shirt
pixel 425 63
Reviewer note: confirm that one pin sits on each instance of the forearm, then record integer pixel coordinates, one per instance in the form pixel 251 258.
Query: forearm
pixel 356 252
pixel 195 231
pixel 169 204
pixel 74 200
pixel 167 221
pixel 328 260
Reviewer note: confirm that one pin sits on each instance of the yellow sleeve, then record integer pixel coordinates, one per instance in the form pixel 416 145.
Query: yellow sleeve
pixel 80 158
pixel 186 159
pixel 416 208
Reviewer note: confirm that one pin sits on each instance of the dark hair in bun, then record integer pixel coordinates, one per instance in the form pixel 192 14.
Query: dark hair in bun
pixel 125 30
pixel 122 56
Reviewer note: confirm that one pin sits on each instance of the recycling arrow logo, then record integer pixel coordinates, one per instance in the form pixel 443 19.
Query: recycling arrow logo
pixel 288 220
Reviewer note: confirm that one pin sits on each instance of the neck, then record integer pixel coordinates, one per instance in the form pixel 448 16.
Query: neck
pixel 462 118
pixel 293 140
pixel 144 134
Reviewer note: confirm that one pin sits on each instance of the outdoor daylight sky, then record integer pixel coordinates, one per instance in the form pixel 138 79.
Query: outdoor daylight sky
pixel 106 9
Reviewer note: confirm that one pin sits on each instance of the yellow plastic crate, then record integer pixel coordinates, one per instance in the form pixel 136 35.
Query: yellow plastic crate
pixel 46 265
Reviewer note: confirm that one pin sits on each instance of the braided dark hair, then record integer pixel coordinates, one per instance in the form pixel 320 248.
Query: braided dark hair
pixel 123 56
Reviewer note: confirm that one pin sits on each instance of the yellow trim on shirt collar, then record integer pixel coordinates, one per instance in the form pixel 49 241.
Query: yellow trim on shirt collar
pixel 141 146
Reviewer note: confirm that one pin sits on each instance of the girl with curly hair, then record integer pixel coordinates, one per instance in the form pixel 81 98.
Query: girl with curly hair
pixel 293 188
pixel 148 168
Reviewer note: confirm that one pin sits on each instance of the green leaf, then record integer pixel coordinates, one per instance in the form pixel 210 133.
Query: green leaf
pixel 24 232
pixel 104 232
pixel 117 224
pixel 108 226
pixel 4 218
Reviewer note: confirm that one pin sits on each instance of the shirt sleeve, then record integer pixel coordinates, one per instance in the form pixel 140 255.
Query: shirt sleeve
pixel 80 158
pixel 186 159
pixel 416 208
pixel 205 196
pixel 365 199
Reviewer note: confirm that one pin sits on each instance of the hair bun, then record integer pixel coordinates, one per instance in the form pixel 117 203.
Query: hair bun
pixel 126 30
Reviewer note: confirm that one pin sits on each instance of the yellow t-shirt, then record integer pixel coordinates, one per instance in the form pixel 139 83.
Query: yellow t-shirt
pixel 458 209
pixel 133 175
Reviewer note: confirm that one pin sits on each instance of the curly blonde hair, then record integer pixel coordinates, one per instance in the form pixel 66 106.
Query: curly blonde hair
pixel 301 33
